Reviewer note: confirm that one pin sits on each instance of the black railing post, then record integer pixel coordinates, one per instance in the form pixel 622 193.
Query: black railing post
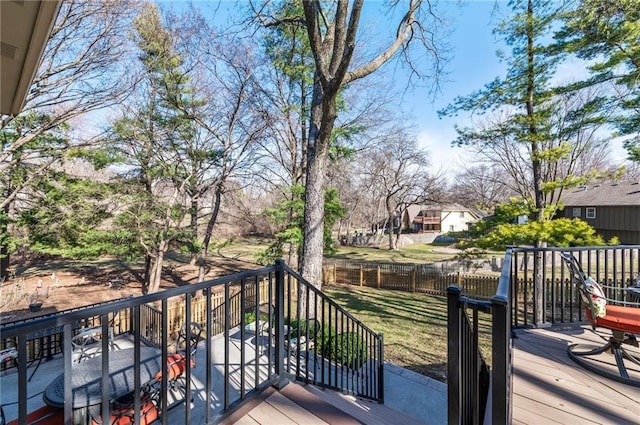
pixel 453 355
pixel 279 312
pixel 501 359
pixel 380 368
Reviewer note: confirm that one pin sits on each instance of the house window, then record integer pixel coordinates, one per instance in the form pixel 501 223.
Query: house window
pixel 591 212
pixel 462 214
pixel 451 228
pixel 577 212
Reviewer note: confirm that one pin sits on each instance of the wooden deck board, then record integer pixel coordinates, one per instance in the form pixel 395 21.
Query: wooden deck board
pixel 246 420
pixel 293 411
pixel 265 413
pixel 366 411
pixel 550 388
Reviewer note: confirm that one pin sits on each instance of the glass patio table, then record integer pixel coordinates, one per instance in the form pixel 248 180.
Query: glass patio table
pixel 86 379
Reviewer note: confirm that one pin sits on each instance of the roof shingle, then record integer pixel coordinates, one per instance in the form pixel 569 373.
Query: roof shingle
pixel 605 194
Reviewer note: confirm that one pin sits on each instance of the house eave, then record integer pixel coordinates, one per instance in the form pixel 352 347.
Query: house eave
pixel 25 30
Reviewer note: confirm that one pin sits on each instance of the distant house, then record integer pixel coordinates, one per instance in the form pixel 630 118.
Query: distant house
pixel 438 218
pixel 613 209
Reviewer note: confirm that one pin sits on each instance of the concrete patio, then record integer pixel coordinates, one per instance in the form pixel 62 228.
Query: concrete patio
pixel 421 399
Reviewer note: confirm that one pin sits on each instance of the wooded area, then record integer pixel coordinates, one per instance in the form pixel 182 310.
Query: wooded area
pixel 151 129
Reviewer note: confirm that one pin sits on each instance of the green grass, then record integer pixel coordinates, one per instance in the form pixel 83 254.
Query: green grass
pixel 416 253
pixel 414 325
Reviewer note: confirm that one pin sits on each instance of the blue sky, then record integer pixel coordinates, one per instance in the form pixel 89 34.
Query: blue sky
pixel 472 64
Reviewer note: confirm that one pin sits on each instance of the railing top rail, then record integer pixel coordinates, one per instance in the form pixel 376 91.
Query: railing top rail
pixel 12 330
pixel 503 291
pixel 57 313
pixel 318 292
pixel 574 248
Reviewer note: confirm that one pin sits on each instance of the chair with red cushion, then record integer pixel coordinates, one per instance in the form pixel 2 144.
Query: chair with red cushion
pixel 621 318
pixel 177 366
pixel 126 416
pixel 123 408
pixel 189 342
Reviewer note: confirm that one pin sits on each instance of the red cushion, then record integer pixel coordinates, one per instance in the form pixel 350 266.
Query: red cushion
pixel 148 414
pixel 176 363
pixel 621 318
pixel 46 415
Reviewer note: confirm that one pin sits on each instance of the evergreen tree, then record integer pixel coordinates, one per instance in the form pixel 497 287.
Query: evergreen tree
pixel 606 33
pixel 526 96
pixel 149 140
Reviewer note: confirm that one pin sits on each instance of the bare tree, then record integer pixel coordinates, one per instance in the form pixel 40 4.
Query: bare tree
pixel 81 71
pixel 229 116
pixel 333 39
pixel 398 169
pixel 481 186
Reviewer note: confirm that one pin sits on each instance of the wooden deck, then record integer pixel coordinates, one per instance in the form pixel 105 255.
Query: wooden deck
pixel 298 404
pixel 550 388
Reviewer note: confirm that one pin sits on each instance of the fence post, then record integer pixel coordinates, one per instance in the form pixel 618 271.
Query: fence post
pixel 361 275
pixel 413 279
pixel 453 355
pixel 335 273
pixel 378 277
pixel 279 340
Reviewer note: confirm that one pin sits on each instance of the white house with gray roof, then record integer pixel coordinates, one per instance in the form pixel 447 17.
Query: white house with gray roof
pixel 438 218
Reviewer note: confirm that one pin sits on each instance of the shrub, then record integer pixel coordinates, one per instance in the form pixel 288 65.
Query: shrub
pixel 312 324
pixel 348 348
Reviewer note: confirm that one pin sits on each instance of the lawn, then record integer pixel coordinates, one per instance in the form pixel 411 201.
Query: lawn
pixel 414 325
pixel 416 253
pixel 245 249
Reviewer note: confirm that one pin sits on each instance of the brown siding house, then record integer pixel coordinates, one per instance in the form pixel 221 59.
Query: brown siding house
pixel 613 209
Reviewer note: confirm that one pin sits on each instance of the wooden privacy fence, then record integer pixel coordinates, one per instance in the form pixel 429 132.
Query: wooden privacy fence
pixel 151 316
pixel 425 278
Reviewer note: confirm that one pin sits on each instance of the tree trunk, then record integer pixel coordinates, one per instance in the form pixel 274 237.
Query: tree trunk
pixel 4 252
pixel 194 227
pixel 156 270
pixel 147 273
pixel 390 217
pixel 323 115
pixel 204 248
pixel 537 167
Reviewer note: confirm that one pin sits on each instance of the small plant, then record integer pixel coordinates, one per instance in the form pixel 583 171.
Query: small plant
pixel 300 328
pixel 249 316
pixel 348 348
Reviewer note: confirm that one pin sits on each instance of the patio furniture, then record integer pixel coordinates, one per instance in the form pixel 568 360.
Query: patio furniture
pixel 308 330
pixel 176 380
pixel 86 343
pixel 123 408
pixel 195 332
pixel 622 320
pixel 86 379
pixel 46 343
pixel 8 354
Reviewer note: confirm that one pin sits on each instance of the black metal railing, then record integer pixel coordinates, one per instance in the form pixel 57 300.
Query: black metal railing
pixel 471 380
pixel 542 292
pixel 534 290
pixel 329 347
pixel 269 324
